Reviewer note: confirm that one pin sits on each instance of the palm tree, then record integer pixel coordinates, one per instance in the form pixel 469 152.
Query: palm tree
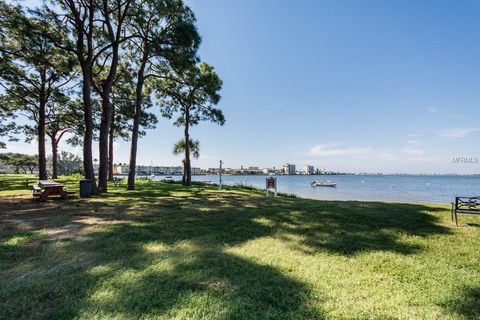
pixel 190 94
pixel 193 147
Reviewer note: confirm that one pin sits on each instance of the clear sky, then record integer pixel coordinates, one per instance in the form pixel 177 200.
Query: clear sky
pixel 376 86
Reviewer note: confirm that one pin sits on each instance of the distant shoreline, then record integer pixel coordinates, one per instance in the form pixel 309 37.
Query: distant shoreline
pixel 313 175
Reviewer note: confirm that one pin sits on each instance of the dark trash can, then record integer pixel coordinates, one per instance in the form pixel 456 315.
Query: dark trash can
pixel 85 188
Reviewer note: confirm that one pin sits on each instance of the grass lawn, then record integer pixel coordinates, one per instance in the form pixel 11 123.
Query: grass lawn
pixel 167 252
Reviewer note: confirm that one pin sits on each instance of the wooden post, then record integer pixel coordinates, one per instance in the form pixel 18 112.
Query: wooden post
pixel 275 179
pixel 220 176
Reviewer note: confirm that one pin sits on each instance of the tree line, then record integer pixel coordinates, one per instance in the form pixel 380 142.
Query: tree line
pixel 91 70
pixel 66 163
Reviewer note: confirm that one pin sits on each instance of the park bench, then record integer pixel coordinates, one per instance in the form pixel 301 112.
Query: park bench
pixel 36 190
pixel 117 181
pixel 465 205
pixel 47 188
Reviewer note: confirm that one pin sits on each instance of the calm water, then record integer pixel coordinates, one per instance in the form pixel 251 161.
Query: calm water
pixel 436 189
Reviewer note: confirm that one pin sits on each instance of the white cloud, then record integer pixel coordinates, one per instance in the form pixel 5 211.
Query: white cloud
pixel 413 135
pixel 458 132
pixel 328 151
pixel 413 151
pixel 412 148
pixel 432 109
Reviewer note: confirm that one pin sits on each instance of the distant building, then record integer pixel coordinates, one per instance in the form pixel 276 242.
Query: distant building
pixel 178 170
pixel 289 169
pixel 252 170
pixel 120 169
pixel 210 170
pixel 309 169
pixel 270 171
pixel 6 168
pixel 156 170
pixel 196 170
pixel 143 170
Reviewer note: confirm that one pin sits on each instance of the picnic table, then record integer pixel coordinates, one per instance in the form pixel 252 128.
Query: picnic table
pixel 47 188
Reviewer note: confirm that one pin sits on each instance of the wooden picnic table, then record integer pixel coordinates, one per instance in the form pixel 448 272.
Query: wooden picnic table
pixel 51 188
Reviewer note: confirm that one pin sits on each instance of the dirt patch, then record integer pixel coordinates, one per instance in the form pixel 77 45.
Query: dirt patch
pixel 27 212
pixel 65 232
pixel 57 218
pixel 81 260
pixel 94 220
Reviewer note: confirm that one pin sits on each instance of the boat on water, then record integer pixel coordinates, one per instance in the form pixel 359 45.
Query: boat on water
pixel 323 184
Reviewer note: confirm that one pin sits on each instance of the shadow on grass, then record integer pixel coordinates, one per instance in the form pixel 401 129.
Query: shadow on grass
pixel 135 273
pixel 339 227
pixel 466 304
pixel 166 256
pixel 204 284
pixel 352 227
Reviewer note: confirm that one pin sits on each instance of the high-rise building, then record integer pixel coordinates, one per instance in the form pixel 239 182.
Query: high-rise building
pixel 309 169
pixel 289 169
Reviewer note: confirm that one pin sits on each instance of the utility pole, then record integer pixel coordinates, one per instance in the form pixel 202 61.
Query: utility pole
pixel 220 175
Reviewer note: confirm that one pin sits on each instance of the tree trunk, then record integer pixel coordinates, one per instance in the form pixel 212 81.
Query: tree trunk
pixel 187 177
pixel 103 142
pixel 136 122
pixel 110 145
pixel 54 157
pixel 84 50
pixel 105 88
pixel 105 121
pixel 184 174
pixel 42 156
pixel 88 133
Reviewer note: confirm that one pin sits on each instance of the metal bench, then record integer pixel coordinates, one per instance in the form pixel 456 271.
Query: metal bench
pixel 465 205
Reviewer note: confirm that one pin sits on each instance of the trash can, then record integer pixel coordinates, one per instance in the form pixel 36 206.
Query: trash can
pixel 85 188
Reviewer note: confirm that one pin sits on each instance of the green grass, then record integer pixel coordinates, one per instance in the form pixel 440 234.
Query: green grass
pixel 168 252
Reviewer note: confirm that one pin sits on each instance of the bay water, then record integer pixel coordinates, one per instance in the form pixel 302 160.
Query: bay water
pixel 389 188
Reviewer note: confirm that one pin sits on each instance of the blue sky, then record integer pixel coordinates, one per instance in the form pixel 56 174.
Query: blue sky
pixel 376 86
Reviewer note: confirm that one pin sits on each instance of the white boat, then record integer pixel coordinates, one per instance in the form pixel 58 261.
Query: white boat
pixel 168 179
pixel 323 184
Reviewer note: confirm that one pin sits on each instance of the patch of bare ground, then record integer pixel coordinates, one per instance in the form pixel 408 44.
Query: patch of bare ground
pixel 53 221
pixel 80 260
pixel 57 219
